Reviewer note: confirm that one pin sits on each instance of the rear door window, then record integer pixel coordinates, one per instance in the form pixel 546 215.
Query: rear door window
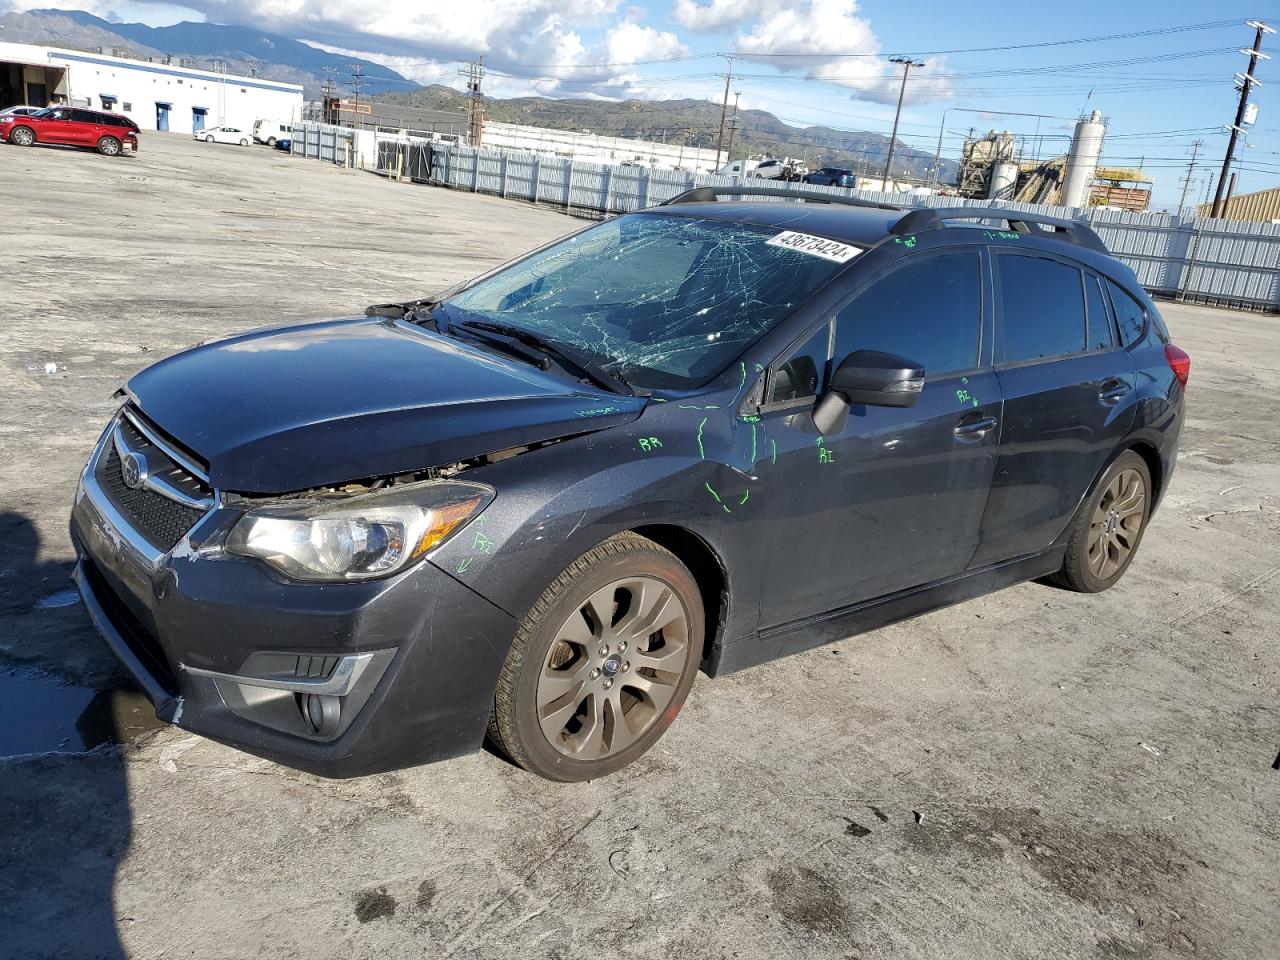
pixel 1042 308
pixel 1097 319
pixel 1130 315
pixel 928 311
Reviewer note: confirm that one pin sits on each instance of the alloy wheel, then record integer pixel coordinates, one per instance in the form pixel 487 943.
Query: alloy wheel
pixel 1116 523
pixel 23 137
pixel 613 669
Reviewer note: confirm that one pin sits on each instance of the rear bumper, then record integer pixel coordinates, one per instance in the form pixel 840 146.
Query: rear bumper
pixel 196 635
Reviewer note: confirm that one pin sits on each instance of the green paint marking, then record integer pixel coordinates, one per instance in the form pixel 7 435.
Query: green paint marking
pixel 482 543
pixel 745 494
pixel 964 379
pixel 774 444
pixel 659 400
pixel 759 368
pixel 1001 235
pixel 649 444
pixel 753 443
pixel 743 364
pixel 907 242
pixel 701 453
pixel 749 419
pixel 712 490
pixel 462 567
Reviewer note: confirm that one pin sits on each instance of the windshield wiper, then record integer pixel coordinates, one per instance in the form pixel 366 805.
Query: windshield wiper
pixel 585 365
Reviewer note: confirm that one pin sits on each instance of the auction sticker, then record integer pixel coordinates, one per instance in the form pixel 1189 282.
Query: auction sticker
pixel 816 246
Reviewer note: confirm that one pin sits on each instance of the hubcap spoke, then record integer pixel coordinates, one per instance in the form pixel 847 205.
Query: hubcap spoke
pixel 556 683
pixel 588 744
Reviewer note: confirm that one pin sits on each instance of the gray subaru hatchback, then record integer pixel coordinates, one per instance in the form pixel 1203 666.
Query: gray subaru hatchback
pixel 696 437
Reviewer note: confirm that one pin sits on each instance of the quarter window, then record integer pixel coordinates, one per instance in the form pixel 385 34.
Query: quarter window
pixel 928 311
pixel 1130 316
pixel 1042 308
pixel 798 377
pixel 1096 318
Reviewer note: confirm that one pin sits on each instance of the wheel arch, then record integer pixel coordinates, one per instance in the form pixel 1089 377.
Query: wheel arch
pixel 708 572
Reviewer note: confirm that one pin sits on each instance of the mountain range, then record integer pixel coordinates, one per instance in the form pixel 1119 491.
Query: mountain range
pixel 275 57
pixel 243 49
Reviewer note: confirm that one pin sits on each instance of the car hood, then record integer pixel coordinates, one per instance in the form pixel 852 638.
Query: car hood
pixel 290 408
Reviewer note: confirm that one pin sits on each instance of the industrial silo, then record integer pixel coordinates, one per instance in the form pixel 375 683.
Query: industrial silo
pixel 1082 161
pixel 1004 180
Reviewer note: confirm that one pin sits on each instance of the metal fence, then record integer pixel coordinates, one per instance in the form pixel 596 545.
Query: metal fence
pixel 1220 262
pixel 321 141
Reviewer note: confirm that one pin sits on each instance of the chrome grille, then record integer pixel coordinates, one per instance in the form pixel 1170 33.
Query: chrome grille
pixel 171 498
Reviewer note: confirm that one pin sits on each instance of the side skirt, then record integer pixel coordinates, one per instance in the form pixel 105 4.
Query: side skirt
pixel 799 635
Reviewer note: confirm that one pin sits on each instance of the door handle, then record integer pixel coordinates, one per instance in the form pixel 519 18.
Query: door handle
pixel 1112 390
pixel 974 429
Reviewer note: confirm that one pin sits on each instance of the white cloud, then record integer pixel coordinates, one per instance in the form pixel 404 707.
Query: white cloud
pixel 826 40
pixel 714 15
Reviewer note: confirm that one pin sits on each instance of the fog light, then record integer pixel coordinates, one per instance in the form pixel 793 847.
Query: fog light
pixel 321 713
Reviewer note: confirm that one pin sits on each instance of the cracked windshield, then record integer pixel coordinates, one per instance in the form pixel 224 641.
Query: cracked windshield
pixel 664 301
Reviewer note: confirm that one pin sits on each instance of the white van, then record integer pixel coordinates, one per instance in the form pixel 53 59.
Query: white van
pixel 269 131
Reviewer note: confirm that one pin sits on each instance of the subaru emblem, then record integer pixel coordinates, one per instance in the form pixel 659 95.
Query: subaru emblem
pixel 133 470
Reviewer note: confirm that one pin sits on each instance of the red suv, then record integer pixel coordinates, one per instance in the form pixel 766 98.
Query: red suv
pixel 109 133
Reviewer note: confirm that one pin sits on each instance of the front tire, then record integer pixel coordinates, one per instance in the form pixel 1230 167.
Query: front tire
pixel 602 663
pixel 209 138
pixel 271 141
pixel 1108 527
pixel 22 136
pixel 109 147
pixel 244 143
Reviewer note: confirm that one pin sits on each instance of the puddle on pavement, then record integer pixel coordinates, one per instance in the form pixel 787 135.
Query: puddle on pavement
pixel 41 712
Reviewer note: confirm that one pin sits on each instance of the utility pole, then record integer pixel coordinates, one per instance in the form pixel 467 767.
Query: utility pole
pixel 356 80
pixel 907 64
pixel 1191 169
pixel 724 109
pixel 327 96
pixel 1246 81
pixel 733 126
pixel 253 63
pixel 475 101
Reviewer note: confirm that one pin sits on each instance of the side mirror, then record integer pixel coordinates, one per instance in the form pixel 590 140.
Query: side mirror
pixel 870 377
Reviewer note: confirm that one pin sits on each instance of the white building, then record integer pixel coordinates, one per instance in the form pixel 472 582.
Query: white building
pixel 595 148
pixel 155 96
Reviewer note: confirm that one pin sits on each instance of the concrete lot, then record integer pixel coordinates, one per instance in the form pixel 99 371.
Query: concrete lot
pixel 1032 774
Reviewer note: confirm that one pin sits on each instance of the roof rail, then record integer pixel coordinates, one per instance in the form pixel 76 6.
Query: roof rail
pixel 931 218
pixel 709 194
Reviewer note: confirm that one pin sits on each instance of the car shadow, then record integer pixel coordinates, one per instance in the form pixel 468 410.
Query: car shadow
pixel 66 821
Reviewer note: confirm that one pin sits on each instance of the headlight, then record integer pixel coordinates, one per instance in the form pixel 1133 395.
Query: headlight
pixel 360 537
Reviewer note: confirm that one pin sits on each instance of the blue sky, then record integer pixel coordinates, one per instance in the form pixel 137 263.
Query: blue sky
pixel 825 61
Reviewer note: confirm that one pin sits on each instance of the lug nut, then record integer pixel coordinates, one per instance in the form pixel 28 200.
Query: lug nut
pixel 626 665
pixel 608 682
pixel 622 646
pixel 604 650
pixel 595 672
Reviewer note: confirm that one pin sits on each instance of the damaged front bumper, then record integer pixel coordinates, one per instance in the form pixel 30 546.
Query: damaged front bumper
pixel 336 679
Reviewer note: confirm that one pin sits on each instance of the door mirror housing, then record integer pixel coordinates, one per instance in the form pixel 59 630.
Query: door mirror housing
pixel 878 379
pixel 870 377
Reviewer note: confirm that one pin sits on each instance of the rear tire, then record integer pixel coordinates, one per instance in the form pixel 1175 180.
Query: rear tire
pixel 602 663
pixel 209 138
pixel 244 143
pixel 22 136
pixel 109 147
pixel 271 141
pixel 1108 527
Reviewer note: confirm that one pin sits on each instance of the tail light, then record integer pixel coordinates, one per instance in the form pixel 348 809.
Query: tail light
pixel 1179 362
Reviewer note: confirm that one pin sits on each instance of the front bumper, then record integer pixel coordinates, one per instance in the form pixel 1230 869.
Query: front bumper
pixel 225 648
